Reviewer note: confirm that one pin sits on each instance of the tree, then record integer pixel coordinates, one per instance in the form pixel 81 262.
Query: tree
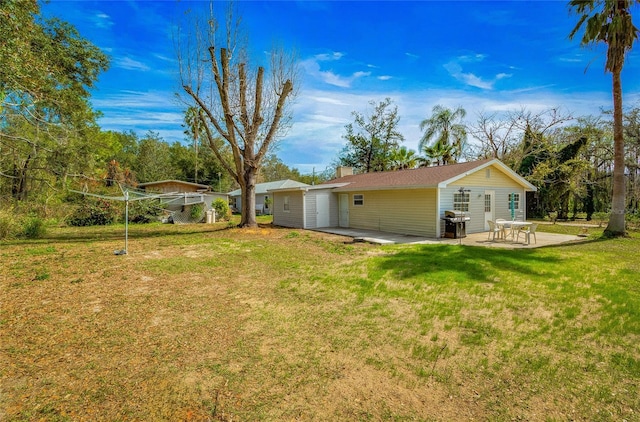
pixel 609 21
pixel 274 169
pixel 448 135
pixel 371 140
pixel 47 122
pixel 403 159
pixel 244 106
pixel 154 160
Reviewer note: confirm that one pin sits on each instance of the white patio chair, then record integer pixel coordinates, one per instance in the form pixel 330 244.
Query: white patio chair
pixel 527 231
pixel 493 229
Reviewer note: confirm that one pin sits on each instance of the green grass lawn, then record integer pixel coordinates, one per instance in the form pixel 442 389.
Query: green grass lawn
pixel 206 322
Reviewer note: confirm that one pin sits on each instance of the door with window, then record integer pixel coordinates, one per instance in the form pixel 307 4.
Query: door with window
pixel 489 207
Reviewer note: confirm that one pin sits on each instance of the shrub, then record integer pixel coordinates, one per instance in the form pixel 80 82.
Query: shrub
pixel 93 212
pixel 143 212
pixel 197 212
pixel 222 209
pixel 34 227
pixel 8 224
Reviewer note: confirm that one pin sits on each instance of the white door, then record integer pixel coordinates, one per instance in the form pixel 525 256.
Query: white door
pixel 489 207
pixel 322 210
pixel 343 214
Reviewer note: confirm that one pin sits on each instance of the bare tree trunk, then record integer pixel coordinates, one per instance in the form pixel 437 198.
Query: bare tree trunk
pixel 249 199
pixel 616 226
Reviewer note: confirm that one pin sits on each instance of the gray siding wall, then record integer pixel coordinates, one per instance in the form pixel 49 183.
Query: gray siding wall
pixel 292 218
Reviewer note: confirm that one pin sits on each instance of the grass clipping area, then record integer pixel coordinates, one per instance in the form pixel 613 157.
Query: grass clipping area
pixel 203 322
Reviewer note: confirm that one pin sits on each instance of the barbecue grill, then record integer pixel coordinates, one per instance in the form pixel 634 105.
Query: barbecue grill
pixel 455 224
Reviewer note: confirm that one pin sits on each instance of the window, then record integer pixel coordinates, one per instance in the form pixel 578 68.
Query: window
pixel 516 201
pixel 358 200
pixel 487 203
pixel 285 204
pixel 461 202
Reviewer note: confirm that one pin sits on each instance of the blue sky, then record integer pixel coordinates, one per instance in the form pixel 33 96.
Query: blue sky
pixel 489 57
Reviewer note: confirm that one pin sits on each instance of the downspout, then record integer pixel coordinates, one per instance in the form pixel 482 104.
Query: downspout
pixel 304 209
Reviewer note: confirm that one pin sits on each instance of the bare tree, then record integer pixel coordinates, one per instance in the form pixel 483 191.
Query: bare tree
pixel 245 105
pixel 496 137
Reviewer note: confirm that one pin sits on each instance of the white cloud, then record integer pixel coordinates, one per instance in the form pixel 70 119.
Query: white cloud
pixel 455 70
pixel 102 20
pixel 313 69
pixel 130 64
pixel 385 77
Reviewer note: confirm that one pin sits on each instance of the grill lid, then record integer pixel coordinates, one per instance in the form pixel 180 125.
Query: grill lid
pixel 453 214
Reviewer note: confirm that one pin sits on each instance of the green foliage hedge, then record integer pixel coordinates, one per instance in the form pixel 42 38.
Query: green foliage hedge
pixel 15 225
pixel 93 212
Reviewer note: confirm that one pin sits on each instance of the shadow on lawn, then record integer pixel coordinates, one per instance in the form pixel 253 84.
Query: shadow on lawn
pixel 466 263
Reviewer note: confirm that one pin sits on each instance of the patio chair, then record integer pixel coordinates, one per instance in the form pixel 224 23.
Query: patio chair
pixel 493 229
pixel 527 231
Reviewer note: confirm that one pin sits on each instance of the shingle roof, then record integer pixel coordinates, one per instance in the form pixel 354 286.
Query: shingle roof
pixel 414 178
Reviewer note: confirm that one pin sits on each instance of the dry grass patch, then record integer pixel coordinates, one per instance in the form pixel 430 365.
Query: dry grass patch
pixel 208 323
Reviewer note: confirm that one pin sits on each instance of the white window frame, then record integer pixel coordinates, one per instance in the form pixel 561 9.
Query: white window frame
pixel 461 201
pixel 358 200
pixel 285 204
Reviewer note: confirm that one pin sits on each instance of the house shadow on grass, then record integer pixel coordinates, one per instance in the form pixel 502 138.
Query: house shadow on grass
pixel 447 263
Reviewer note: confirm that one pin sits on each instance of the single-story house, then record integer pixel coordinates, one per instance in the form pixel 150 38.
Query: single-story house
pixel 406 201
pixel 180 197
pixel 263 195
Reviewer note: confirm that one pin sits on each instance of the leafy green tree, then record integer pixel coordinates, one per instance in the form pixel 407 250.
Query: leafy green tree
pixel 632 139
pixel 274 169
pixel 47 122
pixel 445 132
pixel 372 140
pixel 154 159
pixel 610 22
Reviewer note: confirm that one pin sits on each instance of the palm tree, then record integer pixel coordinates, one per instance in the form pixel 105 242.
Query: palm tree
pixel 193 120
pixel 403 159
pixel 609 21
pixel 448 134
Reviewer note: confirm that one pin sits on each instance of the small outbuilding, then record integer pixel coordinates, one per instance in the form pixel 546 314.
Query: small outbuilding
pixel 413 202
pixel 181 199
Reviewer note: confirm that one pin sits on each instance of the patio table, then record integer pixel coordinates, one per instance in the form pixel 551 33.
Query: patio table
pixel 513 226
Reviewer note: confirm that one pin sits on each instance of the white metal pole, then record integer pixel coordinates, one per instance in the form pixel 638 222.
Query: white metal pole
pixel 126 222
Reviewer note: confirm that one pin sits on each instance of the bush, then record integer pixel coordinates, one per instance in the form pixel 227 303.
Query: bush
pixel 222 209
pixel 197 212
pixel 143 212
pixel 34 227
pixel 93 212
pixel 8 224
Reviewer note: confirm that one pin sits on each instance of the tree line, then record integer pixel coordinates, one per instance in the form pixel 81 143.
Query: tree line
pixel 569 159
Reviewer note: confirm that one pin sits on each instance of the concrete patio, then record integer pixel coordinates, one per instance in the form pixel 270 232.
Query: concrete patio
pixel 474 239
